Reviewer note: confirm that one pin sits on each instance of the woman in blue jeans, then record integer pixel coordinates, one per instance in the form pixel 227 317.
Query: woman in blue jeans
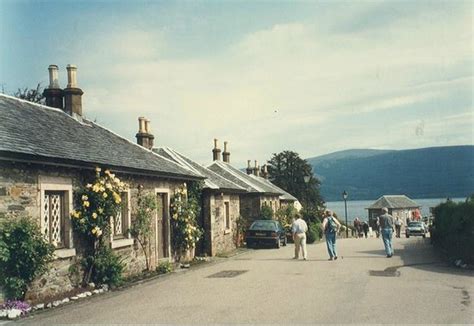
pixel 330 226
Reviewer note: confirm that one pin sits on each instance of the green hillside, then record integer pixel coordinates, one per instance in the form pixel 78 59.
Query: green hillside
pixel 418 173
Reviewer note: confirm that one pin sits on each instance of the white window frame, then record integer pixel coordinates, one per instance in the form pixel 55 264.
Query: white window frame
pixel 125 240
pixel 59 184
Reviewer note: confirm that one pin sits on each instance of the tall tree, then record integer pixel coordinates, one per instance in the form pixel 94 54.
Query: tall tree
pixel 31 94
pixel 287 170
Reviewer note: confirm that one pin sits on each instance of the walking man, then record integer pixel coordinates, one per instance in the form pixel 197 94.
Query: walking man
pixel 299 228
pixel 386 227
pixel 398 226
pixel 330 227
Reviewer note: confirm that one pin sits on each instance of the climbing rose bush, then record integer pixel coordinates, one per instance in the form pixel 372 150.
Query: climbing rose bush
pixel 98 203
pixel 183 212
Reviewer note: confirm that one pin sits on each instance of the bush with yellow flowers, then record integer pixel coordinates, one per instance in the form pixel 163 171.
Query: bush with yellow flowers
pixel 185 231
pixel 97 204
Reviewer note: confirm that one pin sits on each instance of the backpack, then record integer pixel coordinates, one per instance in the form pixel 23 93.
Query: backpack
pixel 331 225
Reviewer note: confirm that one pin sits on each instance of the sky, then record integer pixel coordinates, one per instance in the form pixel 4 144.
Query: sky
pixel 313 77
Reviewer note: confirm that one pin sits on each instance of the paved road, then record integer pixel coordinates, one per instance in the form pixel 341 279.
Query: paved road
pixel 362 287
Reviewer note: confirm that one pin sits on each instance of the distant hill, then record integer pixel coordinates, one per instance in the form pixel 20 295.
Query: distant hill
pixel 418 173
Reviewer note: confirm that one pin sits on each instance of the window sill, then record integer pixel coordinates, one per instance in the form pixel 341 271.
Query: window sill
pixel 227 231
pixel 121 243
pixel 64 253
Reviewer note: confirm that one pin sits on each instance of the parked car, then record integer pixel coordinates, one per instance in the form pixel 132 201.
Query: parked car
pixel 266 232
pixel 416 229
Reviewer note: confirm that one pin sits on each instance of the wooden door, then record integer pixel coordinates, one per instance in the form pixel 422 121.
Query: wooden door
pixel 162 227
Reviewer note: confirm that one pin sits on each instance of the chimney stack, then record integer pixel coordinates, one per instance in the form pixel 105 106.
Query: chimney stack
pixel 144 137
pixel 225 154
pixel 249 168
pixel 265 171
pixel 256 169
pixel 216 152
pixel 72 94
pixel 53 94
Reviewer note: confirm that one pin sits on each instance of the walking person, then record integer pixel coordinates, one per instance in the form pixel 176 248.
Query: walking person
pixel 330 226
pixel 365 227
pixel 299 228
pixel 386 228
pixel 398 226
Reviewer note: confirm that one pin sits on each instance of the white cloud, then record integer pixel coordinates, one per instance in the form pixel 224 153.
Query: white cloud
pixel 279 88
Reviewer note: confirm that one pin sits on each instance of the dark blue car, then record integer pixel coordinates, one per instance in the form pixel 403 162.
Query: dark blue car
pixel 266 232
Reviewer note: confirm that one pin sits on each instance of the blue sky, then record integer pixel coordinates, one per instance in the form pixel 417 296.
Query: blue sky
pixel 313 77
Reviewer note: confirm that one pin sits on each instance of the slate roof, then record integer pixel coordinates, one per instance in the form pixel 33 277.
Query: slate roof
pixel 285 195
pixel 213 181
pixel 394 201
pixel 244 180
pixel 40 133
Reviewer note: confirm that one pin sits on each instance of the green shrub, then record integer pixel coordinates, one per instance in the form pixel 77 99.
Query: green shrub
pixel 266 212
pixel 24 255
pixel 314 232
pixel 453 230
pixel 107 267
pixel 164 268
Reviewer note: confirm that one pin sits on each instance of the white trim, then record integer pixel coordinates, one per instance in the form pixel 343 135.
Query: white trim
pixel 119 243
pixel 63 184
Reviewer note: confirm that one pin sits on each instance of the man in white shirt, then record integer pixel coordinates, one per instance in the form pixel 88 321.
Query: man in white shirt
pixel 299 228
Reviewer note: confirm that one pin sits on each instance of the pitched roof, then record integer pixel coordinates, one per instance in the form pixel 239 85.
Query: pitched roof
pixel 285 195
pixel 246 181
pixel 394 201
pixel 37 132
pixel 212 181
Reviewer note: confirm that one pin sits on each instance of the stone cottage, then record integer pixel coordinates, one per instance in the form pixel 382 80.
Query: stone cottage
pixel 220 205
pixel 258 193
pixel 398 205
pixel 48 152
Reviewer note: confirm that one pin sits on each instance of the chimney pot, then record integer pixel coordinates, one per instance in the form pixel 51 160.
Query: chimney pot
pixel 147 126
pixel 216 151
pixel 226 154
pixel 141 125
pixel 72 94
pixel 53 77
pixel 71 76
pixel 53 93
pixel 249 167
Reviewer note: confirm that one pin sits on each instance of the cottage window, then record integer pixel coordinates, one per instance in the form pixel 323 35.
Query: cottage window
pixel 121 223
pixel 227 215
pixel 55 197
pixel 53 217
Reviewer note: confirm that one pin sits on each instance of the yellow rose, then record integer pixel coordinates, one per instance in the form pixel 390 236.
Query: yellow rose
pixel 104 195
pixel 88 185
pixel 84 197
pixel 86 203
pixel 101 210
pixel 97 169
pixel 94 215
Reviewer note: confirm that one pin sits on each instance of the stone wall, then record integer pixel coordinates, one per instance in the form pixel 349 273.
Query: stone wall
pixel 223 239
pixel 20 196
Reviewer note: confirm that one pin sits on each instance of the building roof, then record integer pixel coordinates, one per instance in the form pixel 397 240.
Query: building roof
pixel 212 181
pixel 35 132
pixel 394 201
pixel 248 182
pixel 285 195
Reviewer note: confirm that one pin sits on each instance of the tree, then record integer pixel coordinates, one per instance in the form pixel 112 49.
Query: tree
pixel 30 94
pixel 287 170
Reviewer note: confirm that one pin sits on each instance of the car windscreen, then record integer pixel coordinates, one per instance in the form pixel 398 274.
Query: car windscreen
pixel 263 225
pixel 415 224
